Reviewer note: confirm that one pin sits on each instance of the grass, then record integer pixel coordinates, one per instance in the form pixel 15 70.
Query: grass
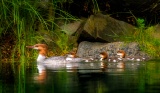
pixel 30 22
pixel 145 37
pixel 27 22
pixel 24 21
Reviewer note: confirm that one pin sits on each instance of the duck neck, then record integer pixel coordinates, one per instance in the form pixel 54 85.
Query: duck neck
pixel 101 59
pixel 42 55
pixel 68 58
pixel 121 56
pixel 41 58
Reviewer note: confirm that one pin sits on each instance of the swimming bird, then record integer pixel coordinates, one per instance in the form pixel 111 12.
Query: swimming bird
pixel 122 56
pixel 55 62
pixel 104 56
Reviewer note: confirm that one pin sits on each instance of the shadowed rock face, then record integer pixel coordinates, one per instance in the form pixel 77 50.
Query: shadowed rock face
pixel 99 28
pixel 86 49
pixel 71 27
pixel 107 28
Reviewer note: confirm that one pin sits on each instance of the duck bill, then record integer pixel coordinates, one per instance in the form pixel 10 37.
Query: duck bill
pixel 30 46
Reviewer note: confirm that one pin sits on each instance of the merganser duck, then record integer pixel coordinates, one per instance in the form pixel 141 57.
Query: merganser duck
pixel 122 54
pixel 55 62
pixel 104 56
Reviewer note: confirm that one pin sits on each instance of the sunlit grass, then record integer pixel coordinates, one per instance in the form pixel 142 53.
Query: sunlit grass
pixel 28 23
pixel 27 19
pixel 145 37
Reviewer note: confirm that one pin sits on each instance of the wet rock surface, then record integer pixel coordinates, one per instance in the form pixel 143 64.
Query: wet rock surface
pixel 92 49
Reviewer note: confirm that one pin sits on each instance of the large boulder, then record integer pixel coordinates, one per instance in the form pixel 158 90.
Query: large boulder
pixel 106 28
pixel 72 27
pixel 87 49
pixel 99 28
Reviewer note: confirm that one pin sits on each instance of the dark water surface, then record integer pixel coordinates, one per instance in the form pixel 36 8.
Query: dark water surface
pixel 128 77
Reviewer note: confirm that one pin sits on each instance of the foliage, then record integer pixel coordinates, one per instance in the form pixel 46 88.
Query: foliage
pixel 23 21
pixel 144 36
pixel 95 7
pixel 28 22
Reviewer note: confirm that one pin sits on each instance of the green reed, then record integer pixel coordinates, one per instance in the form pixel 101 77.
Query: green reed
pixel 18 20
pixel 144 36
pixel 95 6
pixel 25 21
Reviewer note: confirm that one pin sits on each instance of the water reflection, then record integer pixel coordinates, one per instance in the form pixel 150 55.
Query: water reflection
pixel 40 77
pixel 132 77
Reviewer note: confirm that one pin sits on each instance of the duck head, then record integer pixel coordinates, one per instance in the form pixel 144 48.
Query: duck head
pixel 121 53
pixel 103 56
pixel 71 55
pixel 42 48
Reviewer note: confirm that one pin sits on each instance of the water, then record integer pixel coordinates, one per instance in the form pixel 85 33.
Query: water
pixel 129 77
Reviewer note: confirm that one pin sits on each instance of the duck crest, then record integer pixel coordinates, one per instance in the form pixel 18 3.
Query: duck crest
pixel 42 48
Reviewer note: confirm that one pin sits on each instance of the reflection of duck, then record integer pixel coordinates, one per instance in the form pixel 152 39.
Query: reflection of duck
pixel 122 54
pixel 41 77
pixel 52 62
pixel 120 65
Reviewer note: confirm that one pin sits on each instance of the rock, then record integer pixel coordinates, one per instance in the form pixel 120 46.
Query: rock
pixel 105 28
pixel 99 28
pixel 87 49
pixel 71 28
